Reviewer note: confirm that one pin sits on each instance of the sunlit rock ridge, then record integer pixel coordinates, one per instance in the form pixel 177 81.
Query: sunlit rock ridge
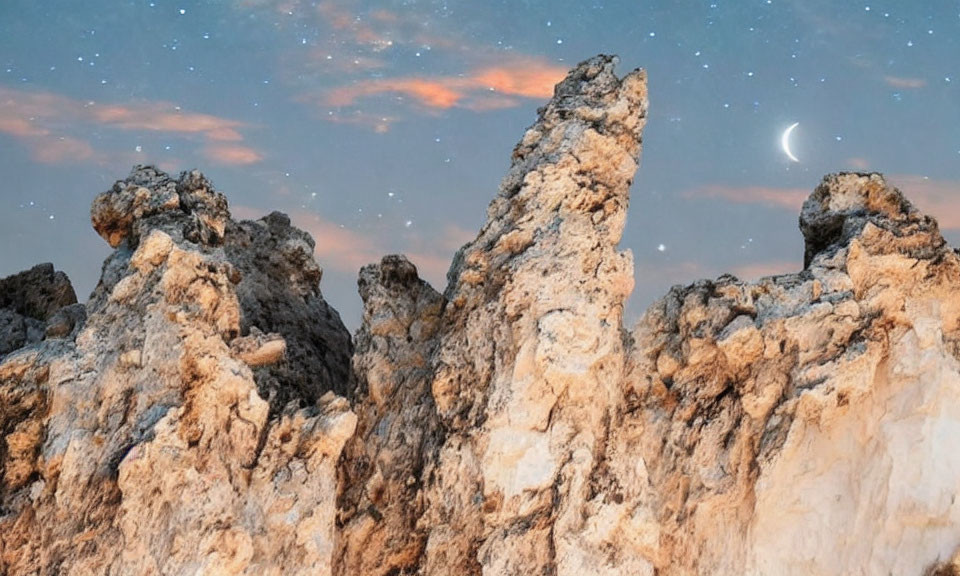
pixel 206 412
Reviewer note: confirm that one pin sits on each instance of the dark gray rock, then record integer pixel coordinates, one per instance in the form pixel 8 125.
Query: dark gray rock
pixel 279 291
pixel 28 300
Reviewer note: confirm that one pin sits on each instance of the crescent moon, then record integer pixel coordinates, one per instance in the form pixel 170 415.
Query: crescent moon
pixel 785 141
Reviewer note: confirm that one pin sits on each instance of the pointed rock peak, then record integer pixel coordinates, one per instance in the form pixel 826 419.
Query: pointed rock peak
pixel 844 203
pixel 593 84
pixel 394 272
pixel 189 203
pixel 592 100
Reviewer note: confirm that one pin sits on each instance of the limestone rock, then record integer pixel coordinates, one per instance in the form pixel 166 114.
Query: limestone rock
pixel 211 415
pixel 520 375
pixel 382 469
pixel 148 445
pixel 801 424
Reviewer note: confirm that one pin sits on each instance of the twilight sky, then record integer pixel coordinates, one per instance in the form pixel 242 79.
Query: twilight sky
pixel 386 126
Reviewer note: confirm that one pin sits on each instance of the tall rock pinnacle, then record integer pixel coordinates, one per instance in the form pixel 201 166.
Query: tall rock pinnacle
pixel 524 370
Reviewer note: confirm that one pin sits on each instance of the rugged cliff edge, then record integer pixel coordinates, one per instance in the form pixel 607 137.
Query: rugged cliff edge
pixel 205 412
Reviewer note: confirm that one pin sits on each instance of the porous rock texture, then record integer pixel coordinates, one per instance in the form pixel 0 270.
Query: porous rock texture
pixel 210 417
pixel 165 436
pixel 36 304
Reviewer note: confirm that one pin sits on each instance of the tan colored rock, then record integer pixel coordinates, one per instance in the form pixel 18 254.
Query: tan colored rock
pixel 143 446
pixel 522 373
pixel 813 437
pixel 381 472
pixel 203 419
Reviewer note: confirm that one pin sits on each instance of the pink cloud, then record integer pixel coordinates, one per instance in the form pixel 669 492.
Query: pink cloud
pixel 347 250
pixel 904 82
pixel 938 198
pixel 483 89
pixel 356 35
pixel 430 93
pixel 47 123
pixel 861 164
pixel 232 155
pixel 63 150
pixel 786 198
pixel 755 270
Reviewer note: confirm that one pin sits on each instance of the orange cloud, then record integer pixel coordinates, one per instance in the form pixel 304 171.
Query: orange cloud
pixel 787 198
pixel 434 94
pixel 44 121
pixel 355 35
pixel 528 78
pixel 525 78
pixel 904 82
pixel 338 247
pixel 233 155
pixel 358 30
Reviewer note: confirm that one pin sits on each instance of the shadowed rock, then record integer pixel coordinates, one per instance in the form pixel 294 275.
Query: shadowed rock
pixel 29 301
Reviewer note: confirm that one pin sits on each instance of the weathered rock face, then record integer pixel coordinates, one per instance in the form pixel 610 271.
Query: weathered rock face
pixel 804 424
pixel 383 465
pixel 36 304
pixel 147 445
pixel 210 416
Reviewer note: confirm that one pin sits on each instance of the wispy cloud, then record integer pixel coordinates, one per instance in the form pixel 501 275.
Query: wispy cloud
pixel 364 60
pixel 482 89
pixel 431 93
pixel 938 198
pixel 786 198
pixel 904 82
pixel 232 155
pixel 63 150
pixel 49 124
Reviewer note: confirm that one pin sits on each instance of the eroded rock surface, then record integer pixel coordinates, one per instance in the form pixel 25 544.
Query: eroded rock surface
pixel 804 423
pixel 148 445
pixel 212 416
pixel 36 304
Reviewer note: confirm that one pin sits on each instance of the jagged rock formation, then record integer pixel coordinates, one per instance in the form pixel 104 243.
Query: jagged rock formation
pixel 803 424
pixel 34 305
pixel 209 415
pixel 147 444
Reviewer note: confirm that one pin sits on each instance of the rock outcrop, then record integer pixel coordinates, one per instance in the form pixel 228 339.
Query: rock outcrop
pixel 34 305
pixel 166 436
pixel 210 415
